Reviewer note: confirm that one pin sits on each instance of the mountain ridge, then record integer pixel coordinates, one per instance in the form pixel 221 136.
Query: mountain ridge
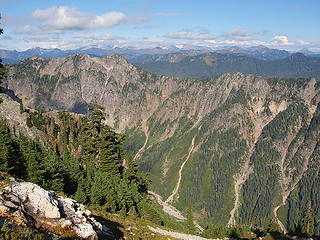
pixel 136 54
pixel 213 64
pixel 238 123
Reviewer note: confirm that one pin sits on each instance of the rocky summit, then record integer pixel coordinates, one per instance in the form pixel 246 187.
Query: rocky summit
pixel 236 146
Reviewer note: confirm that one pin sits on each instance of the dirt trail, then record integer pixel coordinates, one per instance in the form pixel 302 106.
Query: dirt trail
pixel 240 178
pixel 177 235
pixel 285 183
pixel 171 210
pixel 246 170
pixel 239 181
pixel 145 130
pixel 286 180
pixel 176 189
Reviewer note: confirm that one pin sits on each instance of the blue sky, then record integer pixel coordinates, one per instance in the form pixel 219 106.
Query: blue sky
pixel 69 24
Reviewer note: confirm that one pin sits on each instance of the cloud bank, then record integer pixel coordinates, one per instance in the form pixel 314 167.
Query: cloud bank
pixel 189 35
pixel 58 20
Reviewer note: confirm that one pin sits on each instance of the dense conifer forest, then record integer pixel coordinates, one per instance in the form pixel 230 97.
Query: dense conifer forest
pixel 100 174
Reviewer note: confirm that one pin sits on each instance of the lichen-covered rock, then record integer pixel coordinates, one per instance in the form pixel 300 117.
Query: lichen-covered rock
pixel 33 199
pixel 28 204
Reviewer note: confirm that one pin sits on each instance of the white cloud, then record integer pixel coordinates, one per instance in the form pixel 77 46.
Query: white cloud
pixel 238 34
pixel 67 43
pixel 141 18
pixel 303 43
pixel 57 19
pixel 153 40
pixel 40 42
pixel 64 19
pixel 211 41
pixel 281 40
pixel 107 20
pixel 91 40
pixel 252 42
pixel 96 36
pixel 25 30
pixel 315 49
pixel 6 37
pixel 188 35
pixel 138 18
pixel 230 41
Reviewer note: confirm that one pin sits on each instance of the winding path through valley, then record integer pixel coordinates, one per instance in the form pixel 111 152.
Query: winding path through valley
pixel 176 189
pixel 145 130
pixel 184 236
pixel 239 181
pixel 171 210
pixel 286 181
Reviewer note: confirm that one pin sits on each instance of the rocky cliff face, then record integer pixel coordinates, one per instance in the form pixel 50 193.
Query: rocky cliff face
pixel 71 83
pixel 10 111
pixel 236 145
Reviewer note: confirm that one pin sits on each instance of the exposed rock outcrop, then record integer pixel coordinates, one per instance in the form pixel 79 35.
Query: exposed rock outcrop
pixel 10 111
pixel 30 205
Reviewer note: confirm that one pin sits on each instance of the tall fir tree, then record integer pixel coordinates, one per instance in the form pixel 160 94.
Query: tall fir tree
pixel 307 220
pixel 190 220
pixel 90 133
pixel 6 148
pixel 110 155
pixel 3 71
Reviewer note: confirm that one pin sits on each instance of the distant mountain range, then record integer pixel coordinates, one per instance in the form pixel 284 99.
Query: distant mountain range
pixel 260 52
pixel 136 55
pixel 13 56
pixel 215 63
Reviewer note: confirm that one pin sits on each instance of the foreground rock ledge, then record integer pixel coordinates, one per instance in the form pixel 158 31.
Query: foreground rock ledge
pixel 30 205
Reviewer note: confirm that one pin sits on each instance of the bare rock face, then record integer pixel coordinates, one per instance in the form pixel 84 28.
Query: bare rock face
pixel 28 204
pixel 10 111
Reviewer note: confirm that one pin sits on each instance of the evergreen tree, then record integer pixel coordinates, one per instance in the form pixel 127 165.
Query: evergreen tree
pixel 73 171
pixel 96 117
pixel 21 105
pixel 307 221
pixel 110 155
pixel 54 172
pixel 189 220
pixel 5 148
pixel 32 153
pixel 98 178
pixel 3 71
pixel 10 157
pixel 82 189
pixel 89 140
pixel 97 196
pixel 110 191
pixel 131 171
pixel 29 122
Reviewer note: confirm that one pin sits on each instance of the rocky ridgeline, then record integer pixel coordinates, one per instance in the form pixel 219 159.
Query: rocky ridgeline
pixel 30 205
